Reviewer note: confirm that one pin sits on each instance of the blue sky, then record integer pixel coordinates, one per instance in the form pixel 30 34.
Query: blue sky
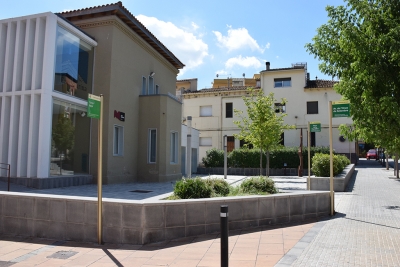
pixel 225 37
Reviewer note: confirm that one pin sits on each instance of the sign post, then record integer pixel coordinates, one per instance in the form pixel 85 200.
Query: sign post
pixel 313 127
pixel 337 109
pixel 95 111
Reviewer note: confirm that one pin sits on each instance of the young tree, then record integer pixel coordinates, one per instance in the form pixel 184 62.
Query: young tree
pixel 360 44
pixel 262 126
pixel 63 136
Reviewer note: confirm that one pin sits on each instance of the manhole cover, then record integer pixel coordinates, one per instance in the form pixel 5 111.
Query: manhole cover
pixel 141 191
pixel 62 255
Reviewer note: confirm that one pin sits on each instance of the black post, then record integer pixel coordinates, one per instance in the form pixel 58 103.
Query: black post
pixel 224 236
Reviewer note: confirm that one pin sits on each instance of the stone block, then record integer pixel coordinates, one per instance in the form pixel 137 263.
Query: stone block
pixel 25 206
pixel 112 214
pixel 267 208
pixel 296 205
pixel 284 219
pixel 195 230
pixel 323 202
pixel 174 233
pixel 296 218
pixel 153 217
pixel 58 210
pixel 213 209
pixel 112 235
pixel 282 206
pixel 310 216
pixel 11 225
pixel 56 230
pixel 26 227
pixel 131 236
pixel 213 228
pixel 90 233
pixel 266 222
pixel 195 213
pixel 41 209
pixel 75 211
pixel 310 204
pixel 10 206
pixel 75 231
pixel 235 210
pixel 41 228
pixel 250 209
pixel 235 225
pixel 91 213
pixel 152 235
pixel 132 216
pixel 175 215
pixel 1 206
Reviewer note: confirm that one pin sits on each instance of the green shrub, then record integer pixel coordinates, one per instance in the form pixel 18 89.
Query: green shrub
pixel 220 187
pixel 321 164
pixel 250 158
pixel 214 158
pixel 192 188
pixel 255 185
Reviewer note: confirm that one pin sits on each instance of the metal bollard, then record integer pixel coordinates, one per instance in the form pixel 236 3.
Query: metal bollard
pixel 224 236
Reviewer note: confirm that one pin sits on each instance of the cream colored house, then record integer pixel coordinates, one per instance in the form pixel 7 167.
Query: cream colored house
pixel 307 101
pixel 212 109
pixel 48 65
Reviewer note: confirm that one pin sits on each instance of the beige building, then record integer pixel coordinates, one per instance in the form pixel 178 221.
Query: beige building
pixel 213 109
pixel 57 60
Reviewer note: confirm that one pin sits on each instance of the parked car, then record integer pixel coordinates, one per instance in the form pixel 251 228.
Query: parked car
pixel 371 154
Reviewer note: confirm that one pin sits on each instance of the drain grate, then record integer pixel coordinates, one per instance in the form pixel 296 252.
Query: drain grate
pixel 141 191
pixel 62 255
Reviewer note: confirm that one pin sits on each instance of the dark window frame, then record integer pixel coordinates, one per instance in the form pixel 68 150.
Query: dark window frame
pixel 229 111
pixel 312 107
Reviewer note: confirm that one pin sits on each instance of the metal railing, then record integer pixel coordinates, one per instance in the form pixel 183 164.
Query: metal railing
pixel 8 172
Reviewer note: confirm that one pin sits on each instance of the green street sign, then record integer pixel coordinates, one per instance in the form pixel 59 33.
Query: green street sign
pixel 93 110
pixel 315 126
pixel 340 109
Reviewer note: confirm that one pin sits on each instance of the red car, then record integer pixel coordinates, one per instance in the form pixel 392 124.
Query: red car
pixel 371 154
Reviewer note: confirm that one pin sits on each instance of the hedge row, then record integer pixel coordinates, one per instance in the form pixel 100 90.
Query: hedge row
pixel 321 164
pixel 250 158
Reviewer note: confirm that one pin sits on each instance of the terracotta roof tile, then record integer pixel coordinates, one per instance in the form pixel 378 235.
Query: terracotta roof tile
pixel 130 20
pixel 320 84
pixel 221 89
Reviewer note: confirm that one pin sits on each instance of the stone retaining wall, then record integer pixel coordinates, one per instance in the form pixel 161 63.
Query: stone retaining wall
pixel 250 171
pixel 141 222
pixel 51 182
pixel 340 181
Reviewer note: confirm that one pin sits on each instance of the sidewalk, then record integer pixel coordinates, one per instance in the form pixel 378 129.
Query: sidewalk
pixel 366 228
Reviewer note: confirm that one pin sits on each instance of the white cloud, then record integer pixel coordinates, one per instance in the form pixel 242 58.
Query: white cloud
pixel 187 47
pixel 245 62
pixel 237 39
pixel 195 26
pixel 222 72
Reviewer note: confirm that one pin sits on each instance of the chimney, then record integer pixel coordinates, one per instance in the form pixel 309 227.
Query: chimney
pixel 267 64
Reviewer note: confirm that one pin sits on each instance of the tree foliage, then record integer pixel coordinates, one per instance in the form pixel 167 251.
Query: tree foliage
pixel 261 126
pixel 360 44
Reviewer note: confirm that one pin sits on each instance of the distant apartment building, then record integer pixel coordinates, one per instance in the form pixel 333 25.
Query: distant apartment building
pixel 48 65
pixel 213 109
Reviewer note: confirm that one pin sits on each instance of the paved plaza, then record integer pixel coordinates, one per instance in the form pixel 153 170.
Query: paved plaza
pixel 364 232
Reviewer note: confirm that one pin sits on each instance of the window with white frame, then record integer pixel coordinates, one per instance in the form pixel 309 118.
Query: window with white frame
pixel 283 82
pixel 152 146
pixel 205 111
pixel 205 141
pixel 118 149
pixel 174 147
pixel 144 86
pixel 151 85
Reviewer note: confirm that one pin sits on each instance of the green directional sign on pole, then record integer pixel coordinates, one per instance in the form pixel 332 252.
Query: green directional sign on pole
pixel 93 106
pixel 340 109
pixel 315 126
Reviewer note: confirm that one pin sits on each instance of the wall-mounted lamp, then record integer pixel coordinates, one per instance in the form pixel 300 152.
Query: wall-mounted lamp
pixel 152 74
pixel 83 114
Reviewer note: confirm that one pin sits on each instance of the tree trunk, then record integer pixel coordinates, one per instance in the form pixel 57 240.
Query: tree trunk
pixel 387 160
pixel 397 166
pixel 267 164
pixel 260 162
